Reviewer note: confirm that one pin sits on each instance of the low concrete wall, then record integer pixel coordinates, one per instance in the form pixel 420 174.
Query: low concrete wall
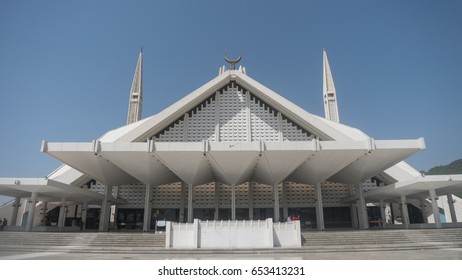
pixel 181 235
pixel 236 234
pixel 287 234
pixel 233 234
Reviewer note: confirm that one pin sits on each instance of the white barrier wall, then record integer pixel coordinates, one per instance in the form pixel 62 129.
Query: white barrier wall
pixel 236 234
pixel 181 235
pixel 233 234
pixel 287 234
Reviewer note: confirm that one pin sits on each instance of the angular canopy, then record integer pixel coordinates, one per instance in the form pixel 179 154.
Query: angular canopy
pixel 50 190
pixel 234 163
pixel 232 130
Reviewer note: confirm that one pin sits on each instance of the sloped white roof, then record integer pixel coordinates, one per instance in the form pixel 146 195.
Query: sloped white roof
pixel 418 187
pixel 323 128
pixel 115 134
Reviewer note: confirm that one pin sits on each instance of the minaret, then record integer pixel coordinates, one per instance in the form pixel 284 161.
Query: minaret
pixel 136 93
pixel 328 91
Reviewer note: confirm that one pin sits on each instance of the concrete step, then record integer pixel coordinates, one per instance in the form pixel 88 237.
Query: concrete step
pixel 82 239
pixel 385 238
pixel 327 241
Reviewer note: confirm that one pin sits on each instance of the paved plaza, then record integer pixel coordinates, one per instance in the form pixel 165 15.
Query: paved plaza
pixel 430 254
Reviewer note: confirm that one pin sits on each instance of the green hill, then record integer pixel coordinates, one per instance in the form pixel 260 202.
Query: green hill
pixel 454 167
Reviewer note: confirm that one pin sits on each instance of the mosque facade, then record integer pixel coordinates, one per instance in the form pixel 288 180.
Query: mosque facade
pixel 233 149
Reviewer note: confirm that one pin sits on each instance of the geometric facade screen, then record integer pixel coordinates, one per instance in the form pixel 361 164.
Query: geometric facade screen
pixel 236 106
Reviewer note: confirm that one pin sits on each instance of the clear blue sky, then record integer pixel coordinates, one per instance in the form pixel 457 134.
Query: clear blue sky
pixel 66 66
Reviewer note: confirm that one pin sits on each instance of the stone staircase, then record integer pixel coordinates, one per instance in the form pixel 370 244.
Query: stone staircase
pixel 380 240
pixel 150 243
pixel 81 242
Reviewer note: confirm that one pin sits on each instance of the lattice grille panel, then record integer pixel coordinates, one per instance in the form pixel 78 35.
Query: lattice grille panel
pixel 242 196
pixel 204 196
pixel 167 196
pixel 97 187
pixel 224 196
pixel 134 194
pixel 369 185
pixel 264 121
pixel 299 195
pixel 233 118
pixel 201 123
pixel 262 195
pixel 174 133
pixel 333 193
pixel 293 132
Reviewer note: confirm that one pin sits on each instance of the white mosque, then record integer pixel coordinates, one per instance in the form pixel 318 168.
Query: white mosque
pixel 232 150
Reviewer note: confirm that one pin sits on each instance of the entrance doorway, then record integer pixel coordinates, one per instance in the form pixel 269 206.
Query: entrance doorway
pixel 130 219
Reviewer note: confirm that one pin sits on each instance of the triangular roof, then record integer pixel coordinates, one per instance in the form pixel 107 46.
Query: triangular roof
pixel 324 129
pixel 321 128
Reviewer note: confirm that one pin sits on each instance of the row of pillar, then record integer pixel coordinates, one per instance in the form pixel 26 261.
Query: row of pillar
pixel 360 217
pixel 276 214
pixel 31 208
pixel 363 224
pixel 358 209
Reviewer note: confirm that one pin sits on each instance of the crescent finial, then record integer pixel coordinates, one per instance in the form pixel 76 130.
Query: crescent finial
pixel 233 62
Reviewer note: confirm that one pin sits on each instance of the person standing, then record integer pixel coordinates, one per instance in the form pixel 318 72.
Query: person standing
pixel 4 224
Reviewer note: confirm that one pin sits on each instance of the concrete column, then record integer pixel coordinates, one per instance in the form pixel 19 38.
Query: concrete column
pixel 14 216
pixel 190 203
pixel 217 201
pixel 396 213
pixel 276 203
pixel 436 211
pixel 62 214
pixel 30 217
pixel 423 207
pixel 319 207
pixel 451 208
pixel 404 212
pixel 113 209
pixel 362 210
pixel 382 213
pixel 233 202
pixel 43 213
pixel 353 209
pixel 250 201
pixel 285 209
pixel 84 215
pixel 105 209
pixel 147 209
pixel 354 215
pixel 182 202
